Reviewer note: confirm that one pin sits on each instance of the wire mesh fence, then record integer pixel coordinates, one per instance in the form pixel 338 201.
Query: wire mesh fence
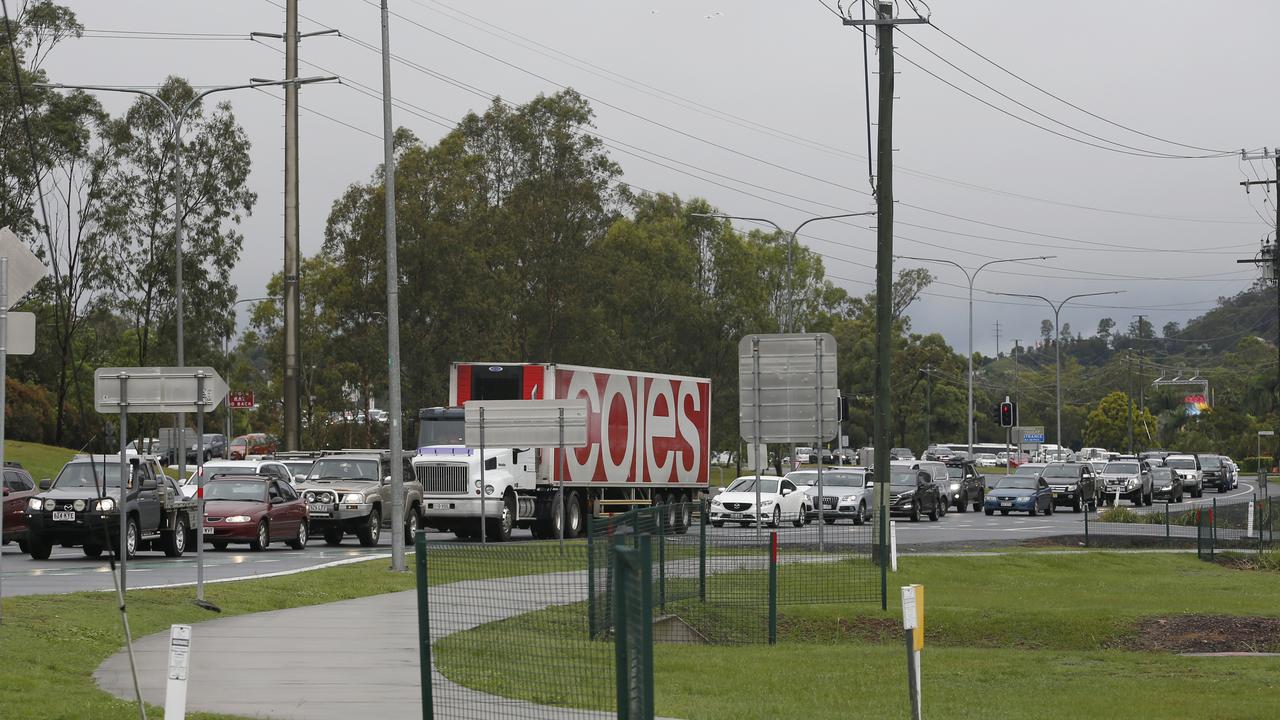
pixel 1239 523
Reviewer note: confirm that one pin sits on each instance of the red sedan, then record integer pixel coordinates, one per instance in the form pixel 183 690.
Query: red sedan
pixel 253 509
pixel 18 488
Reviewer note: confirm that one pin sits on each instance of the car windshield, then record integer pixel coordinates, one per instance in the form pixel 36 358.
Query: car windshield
pixel 1121 468
pixel 299 467
pixel 344 469
pixel 1210 462
pixel 1028 470
pixel 839 482
pixel 1061 471
pixel 243 490
pixel 1161 474
pixel 239 442
pixel 748 484
pixel 955 472
pixel 905 478
pixel 1017 482
pixel 87 475
pixel 1180 463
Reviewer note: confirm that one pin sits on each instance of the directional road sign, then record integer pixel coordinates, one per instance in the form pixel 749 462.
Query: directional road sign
pixel 525 423
pixel 157 389
pixel 25 269
pixel 789 381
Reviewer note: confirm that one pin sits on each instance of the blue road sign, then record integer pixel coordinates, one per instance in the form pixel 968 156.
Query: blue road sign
pixel 1029 438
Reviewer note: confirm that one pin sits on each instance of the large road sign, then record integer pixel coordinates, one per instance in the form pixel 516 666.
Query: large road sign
pixel 525 423
pixel 157 389
pixel 788 382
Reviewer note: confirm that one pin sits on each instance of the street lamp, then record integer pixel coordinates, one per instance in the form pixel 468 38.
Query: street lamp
pixel 971 277
pixel 176 117
pixel 226 350
pixel 1057 345
pixel 790 320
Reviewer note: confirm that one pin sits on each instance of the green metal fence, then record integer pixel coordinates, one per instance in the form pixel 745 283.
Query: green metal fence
pixel 1242 523
pixel 633 626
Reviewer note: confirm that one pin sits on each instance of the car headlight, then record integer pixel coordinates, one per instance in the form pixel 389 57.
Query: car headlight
pixel 35 504
pixel 78 506
pixel 955 486
pixel 49 504
pixel 353 498
pixel 238 519
pixel 848 498
pixel 309 497
pixel 766 503
pixel 715 502
pixel 106 505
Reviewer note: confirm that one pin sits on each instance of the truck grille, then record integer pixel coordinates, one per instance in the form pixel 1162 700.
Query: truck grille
pixel 442 479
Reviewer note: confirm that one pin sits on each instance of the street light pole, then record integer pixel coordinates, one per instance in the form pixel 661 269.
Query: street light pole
pixel 1057 345
pixel 971 277
pixel 787 325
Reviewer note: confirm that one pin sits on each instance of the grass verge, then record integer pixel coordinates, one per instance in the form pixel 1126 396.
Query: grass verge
pixel 1020 636
pixel 51 644
pixel 42 461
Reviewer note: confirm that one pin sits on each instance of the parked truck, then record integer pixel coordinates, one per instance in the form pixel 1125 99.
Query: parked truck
pixel 648 442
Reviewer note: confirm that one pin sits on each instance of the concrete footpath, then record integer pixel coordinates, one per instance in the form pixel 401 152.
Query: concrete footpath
pixel 350 659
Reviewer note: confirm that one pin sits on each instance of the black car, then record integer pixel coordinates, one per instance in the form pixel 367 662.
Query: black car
pixel 966 485
pixel 215 446
pixel 1214 472
pixel 1073 484
pixel 914 493
pixel 1166 485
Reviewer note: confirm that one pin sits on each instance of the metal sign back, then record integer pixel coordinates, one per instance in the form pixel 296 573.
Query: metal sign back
pixel 525 423
pixel 21 337
pixel 793 379
pixel 25 269
pixel 157 389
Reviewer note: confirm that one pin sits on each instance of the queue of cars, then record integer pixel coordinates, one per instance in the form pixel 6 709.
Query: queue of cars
pixel 256 502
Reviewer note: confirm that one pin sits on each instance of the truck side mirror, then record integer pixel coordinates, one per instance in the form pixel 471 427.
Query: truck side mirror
pixel 46 483
pixel 386 479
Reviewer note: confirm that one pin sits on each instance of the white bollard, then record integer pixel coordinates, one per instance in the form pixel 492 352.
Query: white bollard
pixel 175 691
pixel 893 545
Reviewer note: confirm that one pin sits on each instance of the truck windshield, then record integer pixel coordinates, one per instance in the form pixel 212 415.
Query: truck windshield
pixel 81 475
pixel 341 469
pixel 440 431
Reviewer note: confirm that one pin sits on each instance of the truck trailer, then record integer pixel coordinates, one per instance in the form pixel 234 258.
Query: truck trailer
pixel 648 443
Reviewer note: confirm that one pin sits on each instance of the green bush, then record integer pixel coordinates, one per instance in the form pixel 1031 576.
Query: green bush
pixel 1250 464
pixel 1119 514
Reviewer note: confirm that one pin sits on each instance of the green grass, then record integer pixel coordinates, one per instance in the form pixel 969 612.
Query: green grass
pixel 42 461
pixel 51 644
pixel 1024 636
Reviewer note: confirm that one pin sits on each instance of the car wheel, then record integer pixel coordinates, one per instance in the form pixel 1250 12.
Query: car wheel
pixel 175 543
pixel 1034 510
pixel 333 536
pixel 300 542
pixel 989 512
pixel 92 551
pixel 411 526
pixel 935 513
pixel 38 549
pixel 977 504
pixel 1048 507
pixel 131 539
pixel 1148 499
pixel 777 517
pixel 1075 504
pixel 263 538
pixel 962 505
pixel 861 517
pixel 371 531
pixel 799 518
pixel 915 513
pixel 23 545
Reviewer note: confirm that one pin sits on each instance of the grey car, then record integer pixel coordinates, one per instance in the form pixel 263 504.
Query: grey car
pixel 350 492
pixel 1126 479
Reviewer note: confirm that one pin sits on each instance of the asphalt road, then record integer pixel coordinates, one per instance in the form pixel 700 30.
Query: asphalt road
pixel 68 570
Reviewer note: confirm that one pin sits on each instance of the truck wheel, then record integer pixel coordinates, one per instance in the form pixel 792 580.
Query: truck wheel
pixel 175 542
pixel 38 549
pixel 686 515
pixel 300 542
pixel 499 529
pixel 333 536
pixel 130 539
pixel 371 531
pixel 572 516
pixel 263 538
pixel 92 551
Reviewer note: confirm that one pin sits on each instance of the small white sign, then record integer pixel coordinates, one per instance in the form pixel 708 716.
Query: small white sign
pixel 20 337
pixel 908 607
pixel 175 692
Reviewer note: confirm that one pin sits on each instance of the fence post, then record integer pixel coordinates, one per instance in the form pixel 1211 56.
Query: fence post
pixel 591 578
pixel 702 550
pixel 1167 534
pixel 633 629
pixel 1086 527
pixel 424 625
pixel 1213 529
pixel 773 588
pixel 662 558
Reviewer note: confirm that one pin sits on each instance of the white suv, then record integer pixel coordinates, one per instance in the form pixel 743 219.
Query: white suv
pixel 1187 468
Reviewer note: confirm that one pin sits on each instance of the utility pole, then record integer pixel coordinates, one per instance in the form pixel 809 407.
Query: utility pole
pixel 1129 400
pixel 884 23
pixel 394 413
pixel 928 406
pixel 1268 258
pixel 292 262
pixel 1016 350
pixel 997 355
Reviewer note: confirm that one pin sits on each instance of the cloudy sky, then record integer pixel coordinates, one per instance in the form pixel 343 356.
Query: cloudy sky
pixel 758 106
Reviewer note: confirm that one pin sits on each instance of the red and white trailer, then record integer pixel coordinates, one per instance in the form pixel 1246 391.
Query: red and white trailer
pixel 648 441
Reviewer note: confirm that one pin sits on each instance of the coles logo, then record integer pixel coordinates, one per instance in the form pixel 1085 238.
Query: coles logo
pixel 652 429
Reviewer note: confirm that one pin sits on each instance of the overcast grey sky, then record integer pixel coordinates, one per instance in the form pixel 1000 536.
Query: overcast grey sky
pixel 765 117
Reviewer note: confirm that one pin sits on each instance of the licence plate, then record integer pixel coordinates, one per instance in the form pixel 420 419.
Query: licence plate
pixel 1055 494
pixel 64 515
pixel 208 530
pixel 318 508
pixel 736 515
pixel 1006 504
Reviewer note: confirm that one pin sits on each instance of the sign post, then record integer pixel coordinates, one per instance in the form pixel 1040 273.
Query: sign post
pixel 159 390
pixel 525 423
pixel 20 270
pixel 175 689
pixel 913 624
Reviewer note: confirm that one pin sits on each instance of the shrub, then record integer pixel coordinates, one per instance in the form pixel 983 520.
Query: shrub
pixel 1119 514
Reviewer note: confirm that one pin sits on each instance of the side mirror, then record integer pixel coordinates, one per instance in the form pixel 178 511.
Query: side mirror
pixel 786 492
pixel 149 484
pixel 46 483
pixel 386 479
pixel 5 492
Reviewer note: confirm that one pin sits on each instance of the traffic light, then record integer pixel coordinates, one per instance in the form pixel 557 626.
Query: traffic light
pixel 1008 414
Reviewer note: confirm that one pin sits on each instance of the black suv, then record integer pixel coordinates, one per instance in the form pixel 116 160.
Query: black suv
pixel 1073 484
pixel 1214 472
pixel 966 485
pixel 914 493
